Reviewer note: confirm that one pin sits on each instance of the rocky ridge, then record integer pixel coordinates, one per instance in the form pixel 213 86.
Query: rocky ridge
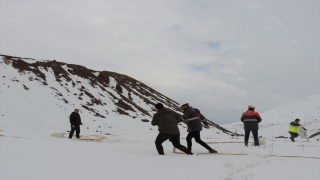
pixel 93 90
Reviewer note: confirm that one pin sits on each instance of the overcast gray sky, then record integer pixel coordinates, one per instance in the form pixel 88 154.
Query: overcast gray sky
pixel 219 56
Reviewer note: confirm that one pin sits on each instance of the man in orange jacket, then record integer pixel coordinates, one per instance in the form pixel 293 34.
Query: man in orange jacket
pixel 250 120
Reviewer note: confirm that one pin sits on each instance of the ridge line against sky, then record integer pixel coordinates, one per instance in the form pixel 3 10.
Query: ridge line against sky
pixel 219 56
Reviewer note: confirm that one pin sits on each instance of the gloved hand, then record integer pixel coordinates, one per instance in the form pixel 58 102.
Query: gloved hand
pixel 73 126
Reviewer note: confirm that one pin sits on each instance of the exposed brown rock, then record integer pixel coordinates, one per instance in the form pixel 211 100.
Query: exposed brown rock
pixel 315 134
pixel 6 61
pixel 122 112
pixel 25 87
pixel 124 105
pixel 118 88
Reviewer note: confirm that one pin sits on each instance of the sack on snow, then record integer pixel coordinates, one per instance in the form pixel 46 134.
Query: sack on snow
pixel 302 133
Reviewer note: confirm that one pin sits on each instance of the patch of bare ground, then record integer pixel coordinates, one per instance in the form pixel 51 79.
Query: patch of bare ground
pixel 88 94
pixel 124 105
pixel 25 87
pixel 122 112
pixel 6 61
pixel 315 134
pixel 58 94
pixel 119 88
pixel 112 95
pixel 85 73
pixel 129 83
pixel 92 110
pixel 94 100
pixel 133 104
pixel 23 66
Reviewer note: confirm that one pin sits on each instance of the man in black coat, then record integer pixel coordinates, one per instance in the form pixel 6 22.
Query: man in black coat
pixel 193 118
pixel 167 122
pixel 75 122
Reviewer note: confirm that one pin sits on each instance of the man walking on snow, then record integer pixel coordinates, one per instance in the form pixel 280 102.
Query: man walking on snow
pixel 193 118
pixel 250 119
pixel 293 128
pixel 75 122
pixel 167 123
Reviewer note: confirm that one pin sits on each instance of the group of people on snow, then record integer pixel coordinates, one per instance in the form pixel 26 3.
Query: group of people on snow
pixel 167 122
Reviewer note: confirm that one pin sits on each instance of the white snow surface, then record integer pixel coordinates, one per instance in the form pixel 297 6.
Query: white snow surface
pixel 34 143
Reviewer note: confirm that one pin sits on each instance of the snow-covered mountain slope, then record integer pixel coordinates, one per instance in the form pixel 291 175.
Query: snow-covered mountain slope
pixel 39 95
pixel 275 121
pixel 307 109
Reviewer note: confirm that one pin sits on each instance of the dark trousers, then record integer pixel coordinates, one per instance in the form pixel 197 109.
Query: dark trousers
pixel 293 135
pixel 174 138
pixel 254 133
pixel 77 129
pixel 197 138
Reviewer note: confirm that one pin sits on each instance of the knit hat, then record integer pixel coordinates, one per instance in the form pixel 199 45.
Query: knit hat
pixel 158 106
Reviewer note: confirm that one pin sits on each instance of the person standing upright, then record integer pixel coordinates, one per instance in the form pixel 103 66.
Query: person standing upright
pixel 75 122
pixel 251 119
pixel 193 118
pixel 167 122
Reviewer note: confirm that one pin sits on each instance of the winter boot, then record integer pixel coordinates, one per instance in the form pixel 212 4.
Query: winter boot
pixel 292 139
pixel 213 151
pixel 246 143
pixel 256 143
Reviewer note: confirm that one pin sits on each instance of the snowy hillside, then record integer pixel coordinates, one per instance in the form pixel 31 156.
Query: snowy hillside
pixel 118 143
pixel 39 95
pixel 275 121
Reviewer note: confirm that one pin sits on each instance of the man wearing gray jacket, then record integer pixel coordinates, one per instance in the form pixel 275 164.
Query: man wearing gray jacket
pixel 167 122
pixel 193 118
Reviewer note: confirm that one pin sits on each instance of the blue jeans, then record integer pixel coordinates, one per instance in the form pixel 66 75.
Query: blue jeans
pixel 247 133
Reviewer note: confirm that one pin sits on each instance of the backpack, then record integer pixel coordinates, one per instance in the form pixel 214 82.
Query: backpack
pixel 196 110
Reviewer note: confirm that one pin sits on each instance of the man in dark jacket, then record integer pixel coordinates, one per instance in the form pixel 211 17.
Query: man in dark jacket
pixel 167 122
pixel 250 119
pixel 75 122
pixel 193 118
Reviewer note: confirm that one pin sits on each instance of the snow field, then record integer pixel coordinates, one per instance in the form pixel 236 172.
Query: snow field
pixel 51 158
